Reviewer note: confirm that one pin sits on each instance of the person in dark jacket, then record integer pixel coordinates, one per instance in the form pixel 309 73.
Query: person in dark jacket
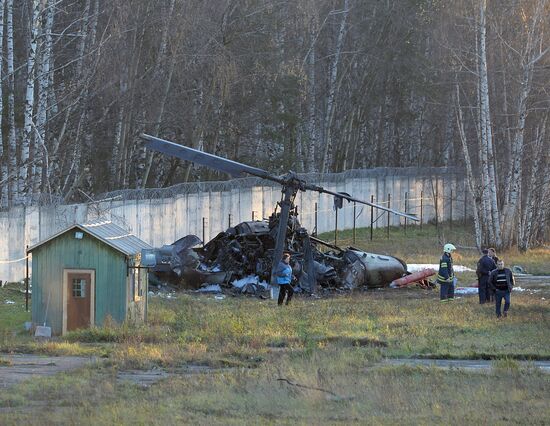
pixel 445 276
pixel 283 274
pixel 501 280
pixel 485 265
pixel 493 255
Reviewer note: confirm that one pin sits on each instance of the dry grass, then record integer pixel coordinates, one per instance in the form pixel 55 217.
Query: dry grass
pixel 334 386
pixel 326 352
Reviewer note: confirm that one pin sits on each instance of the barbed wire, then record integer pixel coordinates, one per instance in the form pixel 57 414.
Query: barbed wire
pixel 40 199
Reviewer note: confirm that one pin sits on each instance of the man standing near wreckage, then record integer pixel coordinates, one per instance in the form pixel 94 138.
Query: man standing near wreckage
pixel 485 265
pixel 501 280
pixel 283 274
pixel 446 276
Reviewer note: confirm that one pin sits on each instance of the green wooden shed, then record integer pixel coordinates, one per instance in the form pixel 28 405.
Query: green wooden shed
pixel 86 274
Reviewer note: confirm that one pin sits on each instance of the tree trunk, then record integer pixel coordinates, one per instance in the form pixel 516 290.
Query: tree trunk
pixel 27 154
pixel 525 232
pixel 472 187
pixel 4 177
pixel 311 99
pixel 488 185
pixel 13 186
pixel 333 73
pixel 530 57
pixel 146 159
pixel 44 88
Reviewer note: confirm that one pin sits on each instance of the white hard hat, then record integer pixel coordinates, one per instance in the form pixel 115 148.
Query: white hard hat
pixel 449 248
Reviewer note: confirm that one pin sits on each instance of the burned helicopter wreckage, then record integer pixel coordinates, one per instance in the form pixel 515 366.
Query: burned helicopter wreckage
pixel 246 250
pixel 256 248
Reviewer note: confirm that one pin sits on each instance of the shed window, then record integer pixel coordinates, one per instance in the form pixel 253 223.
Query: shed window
pixel 79 287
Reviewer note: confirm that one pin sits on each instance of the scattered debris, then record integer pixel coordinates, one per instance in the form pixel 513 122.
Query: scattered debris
pixel 9 302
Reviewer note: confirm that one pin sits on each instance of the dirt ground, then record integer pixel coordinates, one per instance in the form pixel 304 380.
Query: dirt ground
pixel 24 367
pixel 16 368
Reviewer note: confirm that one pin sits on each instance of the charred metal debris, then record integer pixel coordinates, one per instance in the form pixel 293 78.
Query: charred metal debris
pixel 239 260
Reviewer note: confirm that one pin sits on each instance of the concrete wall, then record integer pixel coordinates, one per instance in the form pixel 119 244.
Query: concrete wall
pixel 160 221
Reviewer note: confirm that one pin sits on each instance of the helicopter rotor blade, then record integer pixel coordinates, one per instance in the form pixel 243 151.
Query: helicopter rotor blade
pixel 212 161
pixel 237 169
pixel 357 200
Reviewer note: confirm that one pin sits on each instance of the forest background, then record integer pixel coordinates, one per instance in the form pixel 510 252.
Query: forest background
pixel 308 85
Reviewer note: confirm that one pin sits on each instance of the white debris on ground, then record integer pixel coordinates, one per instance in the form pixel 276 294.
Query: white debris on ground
pixel 474 290
pixel 466 290
pixel 413 267
pixel 10 302
pixel 250 283
pixel 163 294
pixel 212 288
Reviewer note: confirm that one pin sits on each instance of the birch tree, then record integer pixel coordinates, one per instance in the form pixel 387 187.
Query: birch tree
pixel 533 52
pixel 13 172
pixel 331 96
pixel 146 159
pixel 27 168
pixel 44 78
pixel 4 177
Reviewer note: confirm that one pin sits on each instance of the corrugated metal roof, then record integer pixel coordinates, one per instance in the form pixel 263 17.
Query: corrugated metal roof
pixel 116 237
pixel 111 234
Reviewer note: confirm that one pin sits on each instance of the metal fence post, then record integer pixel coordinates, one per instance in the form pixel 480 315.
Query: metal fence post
pixel 27 279
pixel 253 215
pixel 354 208
pixel 371 216
pixel 436 205
pixel 229 222
pixel 203 230
pixel 465 204
pixel 406 202
pixel 336 228
pixel 451 211
pixel 315 228
pixel 389 207
pixel 421 208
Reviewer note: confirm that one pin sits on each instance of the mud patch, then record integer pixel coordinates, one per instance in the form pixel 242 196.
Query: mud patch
pixel 17 368
pixel 141 378
pixel 147 378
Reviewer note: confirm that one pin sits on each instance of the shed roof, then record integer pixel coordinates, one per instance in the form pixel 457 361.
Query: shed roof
pixel 106 231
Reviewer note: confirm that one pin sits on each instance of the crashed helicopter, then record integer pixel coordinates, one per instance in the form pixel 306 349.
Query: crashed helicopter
pixel 254 248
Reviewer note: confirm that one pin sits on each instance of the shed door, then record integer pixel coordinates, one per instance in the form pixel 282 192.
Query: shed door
pixel 79 299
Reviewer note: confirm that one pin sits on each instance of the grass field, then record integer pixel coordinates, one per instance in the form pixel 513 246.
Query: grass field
pixel 316 361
